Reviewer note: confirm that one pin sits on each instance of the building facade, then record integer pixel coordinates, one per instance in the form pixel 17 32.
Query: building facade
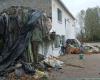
pixel 63 21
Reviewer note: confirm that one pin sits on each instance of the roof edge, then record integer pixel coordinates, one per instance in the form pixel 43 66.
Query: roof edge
pixel 66 9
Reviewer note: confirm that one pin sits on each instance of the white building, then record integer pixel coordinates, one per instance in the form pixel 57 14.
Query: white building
pixel 63 21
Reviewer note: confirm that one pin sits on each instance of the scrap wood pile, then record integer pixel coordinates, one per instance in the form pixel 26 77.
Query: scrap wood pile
pixel 16 26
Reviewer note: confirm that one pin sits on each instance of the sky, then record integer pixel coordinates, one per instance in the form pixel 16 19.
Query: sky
pixel 74 6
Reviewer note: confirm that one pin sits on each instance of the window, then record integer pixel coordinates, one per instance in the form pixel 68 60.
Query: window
pixel 59 15
pixel 65 22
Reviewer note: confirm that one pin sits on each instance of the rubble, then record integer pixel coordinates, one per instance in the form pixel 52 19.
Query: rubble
pixel 53 62
pixel 74 50
pixel 72 46
pixel 90 49
pixel 26 73
pixel 38 76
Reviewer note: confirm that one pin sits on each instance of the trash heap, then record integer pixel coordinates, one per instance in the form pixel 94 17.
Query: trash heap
pixel 18 26
pixel 72 47
pixel 91 49
pixel 21 31
pixel 53 62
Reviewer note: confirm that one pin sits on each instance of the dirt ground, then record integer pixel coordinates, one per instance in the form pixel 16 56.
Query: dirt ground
pixel 76 69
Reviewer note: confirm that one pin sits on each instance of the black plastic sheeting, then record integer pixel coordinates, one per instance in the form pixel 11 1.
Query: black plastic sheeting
pixel 11 53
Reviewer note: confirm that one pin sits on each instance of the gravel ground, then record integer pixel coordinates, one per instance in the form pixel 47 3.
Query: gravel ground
pixel 76 69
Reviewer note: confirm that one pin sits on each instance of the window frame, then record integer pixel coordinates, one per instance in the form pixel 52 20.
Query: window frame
pixel 59 15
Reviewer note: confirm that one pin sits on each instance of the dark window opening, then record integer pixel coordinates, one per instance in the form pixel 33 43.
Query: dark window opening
pixel 65 22
pixel 59 15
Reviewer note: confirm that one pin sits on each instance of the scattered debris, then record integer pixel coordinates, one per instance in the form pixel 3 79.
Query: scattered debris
pixel 53 62
pixel 91 49
pixel 40 74
pixel 72 46
pixel 26 72
pixel 74 50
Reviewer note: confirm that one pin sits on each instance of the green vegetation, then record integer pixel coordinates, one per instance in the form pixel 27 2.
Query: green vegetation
pixel 89 22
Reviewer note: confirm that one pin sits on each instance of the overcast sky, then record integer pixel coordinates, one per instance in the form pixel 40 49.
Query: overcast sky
pixel 75 6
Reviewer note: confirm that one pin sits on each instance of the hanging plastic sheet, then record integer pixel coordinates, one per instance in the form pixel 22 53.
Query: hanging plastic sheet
pixel 16 49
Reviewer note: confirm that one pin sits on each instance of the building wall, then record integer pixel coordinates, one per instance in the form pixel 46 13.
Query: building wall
pixel 60 27
pixel 37 4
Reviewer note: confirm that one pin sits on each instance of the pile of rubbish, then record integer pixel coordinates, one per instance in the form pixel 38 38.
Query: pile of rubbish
pixel 16 26
pixel 54 62
pixel 73 50
pixel 91 49
pixel 26 72
pixel 72 46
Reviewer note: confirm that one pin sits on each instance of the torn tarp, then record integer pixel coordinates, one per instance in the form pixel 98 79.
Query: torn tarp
pixel 17 47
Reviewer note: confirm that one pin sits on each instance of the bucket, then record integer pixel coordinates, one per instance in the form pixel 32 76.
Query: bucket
pixel 81 56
